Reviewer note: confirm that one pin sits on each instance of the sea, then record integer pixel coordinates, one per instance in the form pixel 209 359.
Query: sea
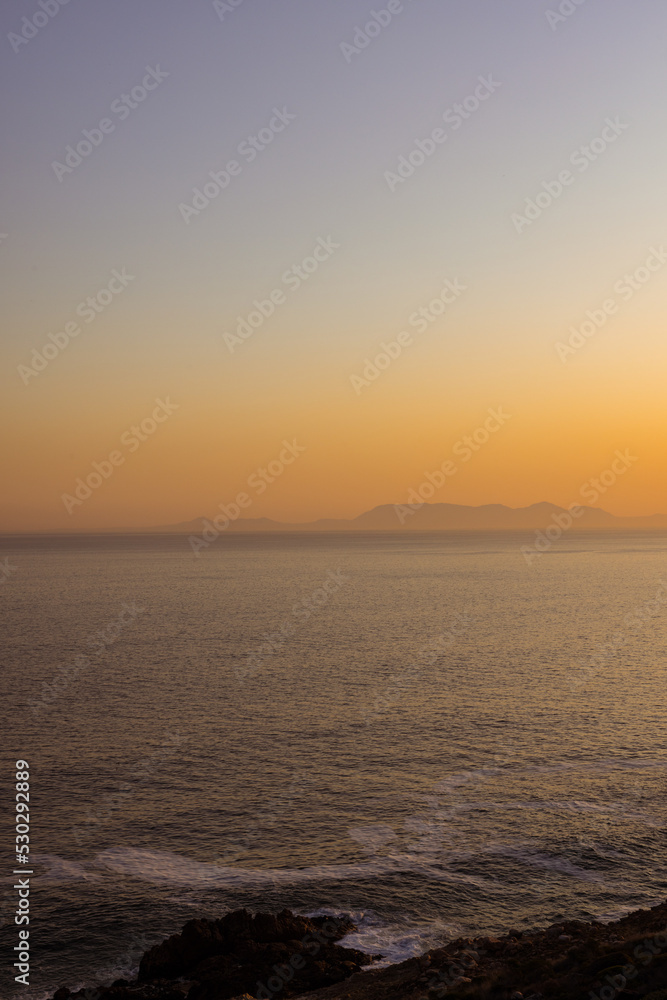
pixel 428 732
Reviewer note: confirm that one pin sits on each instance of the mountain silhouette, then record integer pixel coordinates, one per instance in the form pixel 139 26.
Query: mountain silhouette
pixel 439 517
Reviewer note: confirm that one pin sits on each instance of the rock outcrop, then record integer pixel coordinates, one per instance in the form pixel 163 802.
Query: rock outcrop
pixel 267 957
pixel 264 955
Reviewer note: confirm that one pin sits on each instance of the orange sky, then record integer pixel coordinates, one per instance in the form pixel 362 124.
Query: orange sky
pixel 350 260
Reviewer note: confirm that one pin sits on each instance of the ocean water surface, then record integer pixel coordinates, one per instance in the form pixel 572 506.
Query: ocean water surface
pixel 419 730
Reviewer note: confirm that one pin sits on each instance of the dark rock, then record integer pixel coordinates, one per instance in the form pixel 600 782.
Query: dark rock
pixel 241 957
pixel 215 965
pixel 198 940
pixel 613 958
pixel 241 953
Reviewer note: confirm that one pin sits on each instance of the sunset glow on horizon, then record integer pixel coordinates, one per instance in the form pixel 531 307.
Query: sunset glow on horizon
pixel 363 262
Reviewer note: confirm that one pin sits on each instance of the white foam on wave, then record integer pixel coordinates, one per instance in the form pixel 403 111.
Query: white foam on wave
pixel 511 767
pixel 603 765
pixel 535 859
pixel 623 807
pixel 165 868
pixel 395 940
pixel 168 869
pixel 62 870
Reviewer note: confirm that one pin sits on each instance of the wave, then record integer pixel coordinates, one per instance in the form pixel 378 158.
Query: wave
pixel 166 868
pixel 61 870
pixel 395 940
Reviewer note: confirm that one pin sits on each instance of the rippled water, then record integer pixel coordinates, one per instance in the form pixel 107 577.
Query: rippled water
pixel 426 744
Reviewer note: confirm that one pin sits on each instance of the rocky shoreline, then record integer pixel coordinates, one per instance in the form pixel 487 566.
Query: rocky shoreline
pixel 264 956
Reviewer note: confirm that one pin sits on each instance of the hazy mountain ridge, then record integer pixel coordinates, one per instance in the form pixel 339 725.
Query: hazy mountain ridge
pixel 439 517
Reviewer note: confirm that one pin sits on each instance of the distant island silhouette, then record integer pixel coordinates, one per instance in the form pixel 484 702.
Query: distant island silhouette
pixel 432 517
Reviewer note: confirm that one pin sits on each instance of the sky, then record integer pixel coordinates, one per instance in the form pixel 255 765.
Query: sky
pixel 498 166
